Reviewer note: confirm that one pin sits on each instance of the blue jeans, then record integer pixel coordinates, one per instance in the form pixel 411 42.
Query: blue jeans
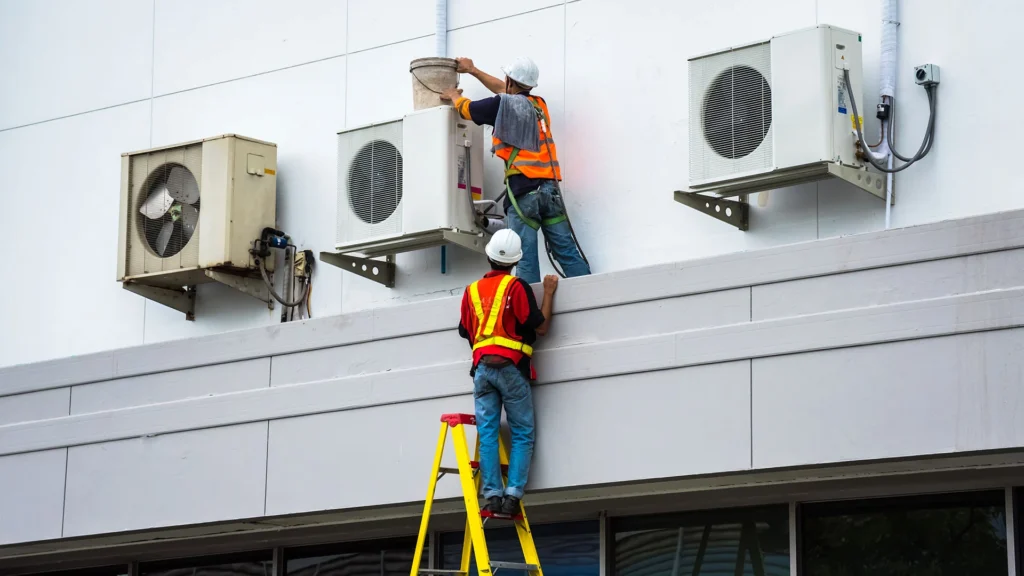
pixel 491 388
pixel 542 204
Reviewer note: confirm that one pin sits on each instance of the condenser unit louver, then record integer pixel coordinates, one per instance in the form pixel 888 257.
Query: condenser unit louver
pixel 772 114
pixel 190 212
pixel 408 184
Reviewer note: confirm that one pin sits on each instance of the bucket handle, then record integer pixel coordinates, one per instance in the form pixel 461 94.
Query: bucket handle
pixel 413 72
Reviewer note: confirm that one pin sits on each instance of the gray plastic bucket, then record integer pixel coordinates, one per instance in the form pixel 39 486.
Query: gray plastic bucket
pixel 430 76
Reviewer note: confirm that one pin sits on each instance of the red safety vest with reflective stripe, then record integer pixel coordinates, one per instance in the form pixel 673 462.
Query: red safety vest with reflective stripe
pixel 491 298
pixel 533 164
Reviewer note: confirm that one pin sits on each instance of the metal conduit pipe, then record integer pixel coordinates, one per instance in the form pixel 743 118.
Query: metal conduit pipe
pixel 887 86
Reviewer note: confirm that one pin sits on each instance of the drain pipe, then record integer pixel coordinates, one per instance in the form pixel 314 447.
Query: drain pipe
pixel 441 51
pixel 887 86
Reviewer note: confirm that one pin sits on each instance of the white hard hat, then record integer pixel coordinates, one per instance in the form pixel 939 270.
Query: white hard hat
pixel 505 247
pixel 523 71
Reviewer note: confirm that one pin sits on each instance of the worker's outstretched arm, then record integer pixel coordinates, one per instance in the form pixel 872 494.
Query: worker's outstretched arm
pixel 492 83
pixel 550 286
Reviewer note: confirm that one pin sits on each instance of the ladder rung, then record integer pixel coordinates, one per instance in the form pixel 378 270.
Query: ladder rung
pixel 472 464
pixel 476 465
pixel 512 566
pixel 439 571
pixel 496 516
pixel 454 420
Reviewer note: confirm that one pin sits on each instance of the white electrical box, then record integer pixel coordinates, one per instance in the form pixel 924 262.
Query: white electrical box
pixel 402 184
pixel 770 108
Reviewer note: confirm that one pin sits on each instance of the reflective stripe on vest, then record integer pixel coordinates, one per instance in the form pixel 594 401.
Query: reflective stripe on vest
pixel 485 325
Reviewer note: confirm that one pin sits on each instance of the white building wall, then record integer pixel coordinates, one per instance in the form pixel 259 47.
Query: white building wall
pixel 85 81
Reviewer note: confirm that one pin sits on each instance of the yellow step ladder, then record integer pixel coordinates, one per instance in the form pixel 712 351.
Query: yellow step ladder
pixel 473 540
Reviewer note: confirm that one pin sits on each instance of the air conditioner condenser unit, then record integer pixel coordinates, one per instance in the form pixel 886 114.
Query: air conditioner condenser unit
pixel 409 183
pixel 776 113
pixel 190 213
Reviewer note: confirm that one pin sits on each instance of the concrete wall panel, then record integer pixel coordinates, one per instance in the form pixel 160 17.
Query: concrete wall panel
pixel 190 47
pixel 63 57
pixel 170 480
pixel 61 201
pixel 465 13
pixel 322 462
pixel 670 423
pixel 373 23
pixel 931 396
pixel 991 271
pixel 34 406
pixel 170 386
pixel 32 496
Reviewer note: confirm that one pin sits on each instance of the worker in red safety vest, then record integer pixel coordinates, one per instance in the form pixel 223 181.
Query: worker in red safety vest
pixel 501 321
pixel 523 140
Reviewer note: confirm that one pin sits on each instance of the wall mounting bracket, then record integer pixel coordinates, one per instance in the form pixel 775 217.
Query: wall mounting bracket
pixel 734 212
pixel 360 258
pixel 709 198
pixel 254 287
pixel 183 300
pixel 380 271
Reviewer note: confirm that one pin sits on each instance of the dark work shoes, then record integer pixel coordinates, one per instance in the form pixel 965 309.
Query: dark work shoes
pixel 510 506
pixel 494 505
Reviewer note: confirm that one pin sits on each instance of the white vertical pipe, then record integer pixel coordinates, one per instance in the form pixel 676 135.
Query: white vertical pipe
pixel 441 51
pixel 887 85
pixel 441 28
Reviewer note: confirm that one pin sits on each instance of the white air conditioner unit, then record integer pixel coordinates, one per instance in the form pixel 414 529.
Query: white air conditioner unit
pixel 191 211
pixel 409 183
pixel 774 113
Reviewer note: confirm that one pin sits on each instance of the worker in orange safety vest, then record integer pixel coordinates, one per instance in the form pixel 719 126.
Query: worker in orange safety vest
pixel 501 320
pixel 523 140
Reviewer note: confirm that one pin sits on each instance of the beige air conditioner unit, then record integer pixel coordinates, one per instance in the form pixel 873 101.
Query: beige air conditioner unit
pixel 189 215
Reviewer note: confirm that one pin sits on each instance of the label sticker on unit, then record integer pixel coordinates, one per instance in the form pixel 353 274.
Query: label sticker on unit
pixel 853 122
pixel 841 96
pixel 462 172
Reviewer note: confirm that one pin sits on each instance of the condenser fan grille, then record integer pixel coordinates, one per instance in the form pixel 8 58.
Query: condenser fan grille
pixel 737 112
pixel 169 206
pixel 375 181
pixel 731 113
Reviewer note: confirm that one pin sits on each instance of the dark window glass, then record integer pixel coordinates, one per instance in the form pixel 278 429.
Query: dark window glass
pixel 370 558
pixel 949 535
pixel 751 541
pixel 1018 493
pixel 253 564
pixel 567 549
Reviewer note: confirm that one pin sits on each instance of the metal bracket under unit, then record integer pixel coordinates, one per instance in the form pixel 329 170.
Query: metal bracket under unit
pixel 183 301
pixel 380 271
pixel 732 212
pixel 254 287
pixel 359 258
pixel 709 198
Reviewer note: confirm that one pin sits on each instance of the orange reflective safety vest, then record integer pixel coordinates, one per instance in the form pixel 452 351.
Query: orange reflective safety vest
pixel 490 298
pixel 541 164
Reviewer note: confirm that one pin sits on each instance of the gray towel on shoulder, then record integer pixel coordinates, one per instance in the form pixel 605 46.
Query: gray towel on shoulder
pixel 516 124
